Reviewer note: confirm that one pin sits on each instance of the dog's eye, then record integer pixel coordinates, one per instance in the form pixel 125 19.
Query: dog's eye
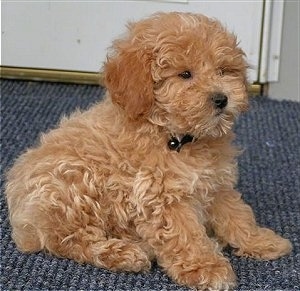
pixel 185 75
pixel 227 71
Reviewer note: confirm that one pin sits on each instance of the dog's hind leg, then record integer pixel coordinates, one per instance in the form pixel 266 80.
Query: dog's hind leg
pixel 113 254
pixel 58 207
pixel 116 254
pixel 86 245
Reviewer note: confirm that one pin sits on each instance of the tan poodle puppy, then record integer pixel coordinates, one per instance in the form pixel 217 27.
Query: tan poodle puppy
pixel 150 171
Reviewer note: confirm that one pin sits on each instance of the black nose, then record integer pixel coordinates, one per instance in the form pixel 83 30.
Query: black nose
pixel 220 100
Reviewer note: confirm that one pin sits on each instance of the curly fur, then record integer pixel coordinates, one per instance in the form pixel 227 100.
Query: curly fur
pixel 104 188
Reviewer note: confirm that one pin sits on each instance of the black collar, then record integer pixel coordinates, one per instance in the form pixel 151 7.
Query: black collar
pixel 176 144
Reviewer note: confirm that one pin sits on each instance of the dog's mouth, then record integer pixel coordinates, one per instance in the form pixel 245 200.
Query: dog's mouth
pixel 219 112
pixel 224 121
pixel 217 125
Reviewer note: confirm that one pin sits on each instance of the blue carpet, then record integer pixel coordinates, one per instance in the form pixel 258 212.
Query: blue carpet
pixel 269 179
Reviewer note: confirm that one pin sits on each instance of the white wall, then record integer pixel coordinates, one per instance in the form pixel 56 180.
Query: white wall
pixel 75 35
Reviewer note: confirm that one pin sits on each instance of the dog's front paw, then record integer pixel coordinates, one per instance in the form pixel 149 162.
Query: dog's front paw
pixel 267 245
pixel 208 275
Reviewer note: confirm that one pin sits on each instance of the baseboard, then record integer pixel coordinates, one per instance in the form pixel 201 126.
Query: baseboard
pixel 76 77
pixel 34 74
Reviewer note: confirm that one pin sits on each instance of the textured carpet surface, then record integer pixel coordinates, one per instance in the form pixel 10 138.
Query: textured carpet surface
pixel 269 181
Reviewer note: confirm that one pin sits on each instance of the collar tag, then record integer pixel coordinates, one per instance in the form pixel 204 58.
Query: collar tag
pixel 175 144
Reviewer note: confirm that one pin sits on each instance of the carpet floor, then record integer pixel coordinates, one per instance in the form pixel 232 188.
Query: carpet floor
pixel 269 180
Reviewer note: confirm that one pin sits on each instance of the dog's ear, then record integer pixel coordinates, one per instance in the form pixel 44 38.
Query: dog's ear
pixel 127 76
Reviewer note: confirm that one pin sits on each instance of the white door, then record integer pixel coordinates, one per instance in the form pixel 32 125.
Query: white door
pixel 75 35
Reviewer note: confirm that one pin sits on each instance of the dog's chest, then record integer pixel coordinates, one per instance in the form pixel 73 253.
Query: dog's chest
pixel 200 170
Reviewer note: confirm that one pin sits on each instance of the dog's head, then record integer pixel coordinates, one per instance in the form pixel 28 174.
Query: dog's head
pixel 182 71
